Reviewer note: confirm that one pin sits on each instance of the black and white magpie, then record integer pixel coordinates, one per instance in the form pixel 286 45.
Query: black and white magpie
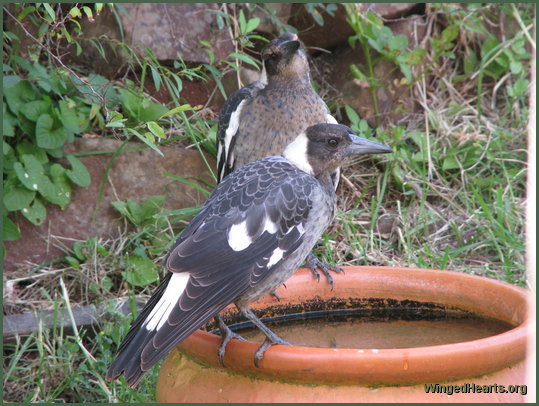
pixel 261 119
pixel 255 229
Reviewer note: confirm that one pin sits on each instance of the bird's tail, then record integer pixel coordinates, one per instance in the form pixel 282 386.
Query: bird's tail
pixel 152 336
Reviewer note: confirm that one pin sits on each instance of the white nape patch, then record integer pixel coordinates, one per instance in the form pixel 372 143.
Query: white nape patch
pixel 238 237
pixel 163 308
pixel 270 226
pixel 275 257
pixel 330 119
pixel 296 152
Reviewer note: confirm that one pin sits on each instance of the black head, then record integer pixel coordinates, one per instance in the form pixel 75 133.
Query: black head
pixel 324 147
pixel 285 57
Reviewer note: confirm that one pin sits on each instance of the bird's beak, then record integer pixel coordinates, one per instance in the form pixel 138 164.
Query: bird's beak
pixel 362 146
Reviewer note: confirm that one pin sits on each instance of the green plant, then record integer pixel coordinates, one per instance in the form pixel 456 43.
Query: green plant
pixel 42 111
pixel 69 365
pixel 45 107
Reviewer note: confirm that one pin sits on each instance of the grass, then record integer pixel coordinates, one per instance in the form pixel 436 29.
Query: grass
pixel 451 197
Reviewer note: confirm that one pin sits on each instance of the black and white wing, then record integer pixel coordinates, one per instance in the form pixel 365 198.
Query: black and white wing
pixel 228 127
pixel 254 220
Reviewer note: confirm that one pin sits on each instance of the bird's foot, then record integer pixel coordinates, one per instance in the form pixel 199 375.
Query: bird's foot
pixel 313 263
pixel 268 342
pixel 226 335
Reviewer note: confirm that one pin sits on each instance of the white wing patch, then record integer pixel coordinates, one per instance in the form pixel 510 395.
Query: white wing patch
pixel 223 151
pixel 233 126
pixel 270 226
pixel 163 308
pixel 238 237
pixel 275 257
pixel 296 152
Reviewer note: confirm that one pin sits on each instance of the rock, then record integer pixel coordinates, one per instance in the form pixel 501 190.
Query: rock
pixel 103 24
pixel 413 27
pixel 336 30
pixel 281 13
pixel 176 28
pixel 390 10
pixel 135 174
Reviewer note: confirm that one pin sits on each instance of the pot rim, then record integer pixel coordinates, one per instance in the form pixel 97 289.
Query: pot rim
pixel 396 366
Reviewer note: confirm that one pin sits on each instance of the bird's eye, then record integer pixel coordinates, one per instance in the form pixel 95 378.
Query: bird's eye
pixel 332 142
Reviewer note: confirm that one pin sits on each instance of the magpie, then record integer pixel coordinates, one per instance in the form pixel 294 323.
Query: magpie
pixel 261 119
pixel 255 229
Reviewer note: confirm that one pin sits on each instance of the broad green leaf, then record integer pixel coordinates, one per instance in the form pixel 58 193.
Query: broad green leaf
pixel 34 109
pixel 242 21
pixel 31 174
pixel 252 24
pixel 141 271
pixel 244 58
pixel 450 33
pixel 151 111
pixel 10 81
pixel 36 213
pixel 156 129
pixel 78 173
pixel 10 230
pixel 47 137
pixel 57 192
pixel 352 115
pixel 75 12
pixel 122 208
pixel 145 140
pixel 397 43
pixel 7 149
pixel 516 67
pixel 115 124
pixel 156 78
pixel 88 11
pixel 50 12
pixel 147 209
pixel 18 95
pixel 95 88
pixel 8 127
pixel 57 172
pixel 449 163
pixel 520 87
pixel 471 63
pixel 17 197
pixel 416 56
pixel 180 214
pixel 184 107
pixel 69 118
pixel 26 148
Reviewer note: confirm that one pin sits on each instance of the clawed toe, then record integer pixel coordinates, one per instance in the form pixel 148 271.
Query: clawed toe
pixel 259 354
pixel 314 264
pixel 226 335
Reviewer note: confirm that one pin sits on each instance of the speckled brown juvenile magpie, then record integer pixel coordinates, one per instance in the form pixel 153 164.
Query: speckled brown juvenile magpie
pixel 255 229
pixel 261 119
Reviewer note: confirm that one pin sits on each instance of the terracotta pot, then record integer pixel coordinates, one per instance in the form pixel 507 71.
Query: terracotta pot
pixel 192 373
